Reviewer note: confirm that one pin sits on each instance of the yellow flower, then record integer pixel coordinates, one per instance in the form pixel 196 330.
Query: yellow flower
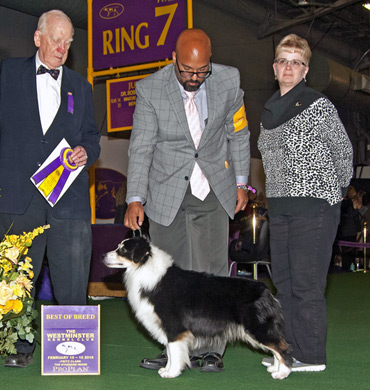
pixel 28 242
pixel 24 266
pixel 6 265
pixel 12 304
pixel 23 282
pixel 6 292
pixel 31 274
pixel 12 254
pixel 12 238
pixel 18 306
pixel 18 289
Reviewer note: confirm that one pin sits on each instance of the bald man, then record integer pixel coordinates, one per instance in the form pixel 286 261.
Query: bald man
pixel 189 165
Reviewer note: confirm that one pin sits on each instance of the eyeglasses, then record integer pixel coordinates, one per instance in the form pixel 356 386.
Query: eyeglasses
pixel 201 75
pixel 293 63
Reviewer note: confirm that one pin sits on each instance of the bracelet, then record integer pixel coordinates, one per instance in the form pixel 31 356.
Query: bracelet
pixel 246 187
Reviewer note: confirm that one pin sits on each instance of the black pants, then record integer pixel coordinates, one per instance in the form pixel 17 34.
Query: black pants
pixel 300 257
pixel 67 244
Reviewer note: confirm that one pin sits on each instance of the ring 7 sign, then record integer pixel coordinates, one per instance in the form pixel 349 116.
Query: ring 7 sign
pixel 129 32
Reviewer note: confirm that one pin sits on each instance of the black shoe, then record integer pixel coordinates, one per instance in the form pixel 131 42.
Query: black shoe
pixel 155 363
pixel 18 360
pixel 212 362
pixel 161 361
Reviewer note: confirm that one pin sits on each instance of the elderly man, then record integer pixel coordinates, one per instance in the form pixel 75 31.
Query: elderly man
pixel 189 164
pixel 42 102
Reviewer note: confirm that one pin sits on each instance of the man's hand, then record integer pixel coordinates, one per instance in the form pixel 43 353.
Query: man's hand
pixel 241 200
pixel 134 216
pixel 79 156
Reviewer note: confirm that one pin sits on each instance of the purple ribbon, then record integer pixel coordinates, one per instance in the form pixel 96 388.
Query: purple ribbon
pixel 68 165
pixel 353 244
pixel 70 102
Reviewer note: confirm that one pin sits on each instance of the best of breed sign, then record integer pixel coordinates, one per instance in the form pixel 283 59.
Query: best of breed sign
pixel 70 340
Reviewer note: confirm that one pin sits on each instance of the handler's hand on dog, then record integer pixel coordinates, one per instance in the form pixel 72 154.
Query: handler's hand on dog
pixel 134 216
pixel 241 200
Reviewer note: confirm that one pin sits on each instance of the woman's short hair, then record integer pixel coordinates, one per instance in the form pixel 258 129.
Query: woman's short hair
pixel 293 43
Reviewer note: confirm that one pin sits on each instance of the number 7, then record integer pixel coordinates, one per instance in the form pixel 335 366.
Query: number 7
pixel 159 11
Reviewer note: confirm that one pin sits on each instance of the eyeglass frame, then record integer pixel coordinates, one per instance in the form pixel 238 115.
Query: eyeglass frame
pixel 209 72
pixel 286 62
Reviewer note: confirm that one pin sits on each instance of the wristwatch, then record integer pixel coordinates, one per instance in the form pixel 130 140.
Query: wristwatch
pixel 246 187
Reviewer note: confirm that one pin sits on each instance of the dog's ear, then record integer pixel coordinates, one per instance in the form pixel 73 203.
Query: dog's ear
pixel 142 250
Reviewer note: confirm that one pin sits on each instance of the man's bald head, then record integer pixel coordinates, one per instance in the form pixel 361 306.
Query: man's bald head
pixel 193 40
pixel 193 53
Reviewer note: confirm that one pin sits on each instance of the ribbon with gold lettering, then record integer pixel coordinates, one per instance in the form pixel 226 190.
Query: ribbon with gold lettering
pixel 55 175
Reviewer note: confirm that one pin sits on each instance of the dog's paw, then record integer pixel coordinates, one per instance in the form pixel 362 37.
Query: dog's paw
pixel 273 368
pixel 282 373
pixel 164 373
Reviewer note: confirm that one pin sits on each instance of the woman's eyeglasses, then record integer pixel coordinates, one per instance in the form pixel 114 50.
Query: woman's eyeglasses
pixel 293 63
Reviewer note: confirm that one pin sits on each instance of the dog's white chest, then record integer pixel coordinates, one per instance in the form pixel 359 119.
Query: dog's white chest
pixel 145 313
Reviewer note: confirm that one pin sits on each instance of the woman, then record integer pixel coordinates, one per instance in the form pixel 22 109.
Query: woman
pixel 307 159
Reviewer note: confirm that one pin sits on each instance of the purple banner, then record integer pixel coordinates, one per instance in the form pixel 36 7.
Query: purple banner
pixel 121 100
pixel 70 340
pixel 129 32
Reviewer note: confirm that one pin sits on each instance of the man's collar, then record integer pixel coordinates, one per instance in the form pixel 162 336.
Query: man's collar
pixel 39 62
pixel 182 90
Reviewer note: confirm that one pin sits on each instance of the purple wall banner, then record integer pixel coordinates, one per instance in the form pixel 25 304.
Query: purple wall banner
pixel 70 340
pixel 129 32
pixel 121 100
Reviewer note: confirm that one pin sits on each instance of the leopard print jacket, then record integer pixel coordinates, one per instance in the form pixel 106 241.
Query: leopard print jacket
pixel 309 155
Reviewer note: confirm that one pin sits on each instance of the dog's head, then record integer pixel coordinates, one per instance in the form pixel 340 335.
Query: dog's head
pixel 130 253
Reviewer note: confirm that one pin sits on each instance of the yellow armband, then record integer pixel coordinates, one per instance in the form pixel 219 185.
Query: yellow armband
pixel 240 119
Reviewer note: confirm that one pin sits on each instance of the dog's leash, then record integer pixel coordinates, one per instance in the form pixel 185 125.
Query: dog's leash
pixel 134 232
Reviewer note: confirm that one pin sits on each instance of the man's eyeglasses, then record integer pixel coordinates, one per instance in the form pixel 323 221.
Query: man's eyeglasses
pixel 293 63
pixel 188 75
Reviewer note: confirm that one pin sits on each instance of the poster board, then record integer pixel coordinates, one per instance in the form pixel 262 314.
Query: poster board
pixel 126 32
pixel 70 340
pixel 121 101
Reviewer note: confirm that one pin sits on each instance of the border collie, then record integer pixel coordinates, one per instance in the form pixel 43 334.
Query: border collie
pixel 185 310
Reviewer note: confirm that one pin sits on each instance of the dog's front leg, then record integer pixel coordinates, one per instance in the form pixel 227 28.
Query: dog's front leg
pixel 178 358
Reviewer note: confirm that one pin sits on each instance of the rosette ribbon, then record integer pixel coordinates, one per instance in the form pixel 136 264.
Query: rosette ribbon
pixel 55 175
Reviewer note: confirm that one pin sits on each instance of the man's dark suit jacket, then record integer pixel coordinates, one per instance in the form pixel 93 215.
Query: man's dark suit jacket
pixel 24 147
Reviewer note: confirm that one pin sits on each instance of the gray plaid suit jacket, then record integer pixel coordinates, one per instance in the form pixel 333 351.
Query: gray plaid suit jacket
pixel 162 153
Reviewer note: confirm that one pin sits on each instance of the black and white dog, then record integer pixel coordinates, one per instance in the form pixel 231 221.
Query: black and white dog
pixel 184 310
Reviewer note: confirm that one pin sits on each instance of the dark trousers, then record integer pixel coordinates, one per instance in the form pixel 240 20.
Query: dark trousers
pixel 198 238
pixel 67 244
pixel 301 250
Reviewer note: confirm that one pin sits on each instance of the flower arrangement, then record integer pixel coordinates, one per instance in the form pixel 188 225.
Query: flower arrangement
pixel 16 303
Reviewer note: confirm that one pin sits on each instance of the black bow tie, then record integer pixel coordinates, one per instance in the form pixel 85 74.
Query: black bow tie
pixel 54 73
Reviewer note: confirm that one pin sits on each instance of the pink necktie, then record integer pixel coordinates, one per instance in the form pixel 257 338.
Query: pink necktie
pixel 198 182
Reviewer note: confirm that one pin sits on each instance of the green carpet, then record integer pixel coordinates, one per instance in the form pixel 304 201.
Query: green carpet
pixel 124 344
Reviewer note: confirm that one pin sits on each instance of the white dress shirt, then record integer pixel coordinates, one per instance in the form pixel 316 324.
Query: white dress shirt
pixel 48 95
